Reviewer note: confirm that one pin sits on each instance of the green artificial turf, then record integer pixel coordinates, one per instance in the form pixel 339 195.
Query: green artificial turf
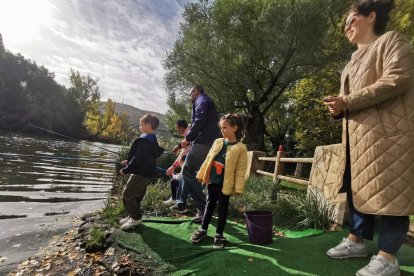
pixel 164 244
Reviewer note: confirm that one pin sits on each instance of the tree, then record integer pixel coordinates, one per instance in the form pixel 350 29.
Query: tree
pixel 247 54
pixel 402 18
pixel 109 126
pixel 85 89
pixel 2 48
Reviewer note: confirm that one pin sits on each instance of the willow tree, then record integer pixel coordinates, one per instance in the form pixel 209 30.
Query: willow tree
pixel 247 54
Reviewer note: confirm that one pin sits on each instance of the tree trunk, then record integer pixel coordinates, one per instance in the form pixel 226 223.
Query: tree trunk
pixel 255 130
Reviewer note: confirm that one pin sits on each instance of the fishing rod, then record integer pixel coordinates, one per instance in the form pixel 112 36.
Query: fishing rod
pixel 40 156
pixel 68 137
pixel 71 138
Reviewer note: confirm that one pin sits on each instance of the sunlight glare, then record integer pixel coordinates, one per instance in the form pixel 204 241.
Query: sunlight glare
pixel 20 20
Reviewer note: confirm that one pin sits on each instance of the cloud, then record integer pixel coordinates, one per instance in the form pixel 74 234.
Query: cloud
pixel 122 43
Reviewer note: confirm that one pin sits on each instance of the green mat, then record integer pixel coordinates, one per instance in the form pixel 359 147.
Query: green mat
pixel 164 245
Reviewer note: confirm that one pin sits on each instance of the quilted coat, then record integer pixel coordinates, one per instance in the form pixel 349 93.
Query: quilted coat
pixel 235 167
pixel 378 89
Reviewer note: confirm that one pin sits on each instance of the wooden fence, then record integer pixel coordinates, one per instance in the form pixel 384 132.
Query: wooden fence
pixel 278 172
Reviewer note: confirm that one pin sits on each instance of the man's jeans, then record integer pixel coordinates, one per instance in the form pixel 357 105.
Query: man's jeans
pixel 189 183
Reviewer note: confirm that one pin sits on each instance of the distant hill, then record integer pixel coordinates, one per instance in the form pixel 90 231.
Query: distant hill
pixel 133 114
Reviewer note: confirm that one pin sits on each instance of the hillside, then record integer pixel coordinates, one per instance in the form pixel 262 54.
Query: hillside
pixel 133 114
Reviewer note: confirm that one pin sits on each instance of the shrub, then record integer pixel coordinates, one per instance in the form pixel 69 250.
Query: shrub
pixel 153 204
pixel 112 211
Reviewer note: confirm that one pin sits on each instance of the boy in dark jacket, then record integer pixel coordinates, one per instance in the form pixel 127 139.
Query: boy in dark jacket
pixel 141 164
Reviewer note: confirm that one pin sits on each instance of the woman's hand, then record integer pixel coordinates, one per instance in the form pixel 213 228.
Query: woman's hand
pixel 336 105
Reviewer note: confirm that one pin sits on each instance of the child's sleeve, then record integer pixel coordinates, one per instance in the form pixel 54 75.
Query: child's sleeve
pixel 241 168
pixel 140 153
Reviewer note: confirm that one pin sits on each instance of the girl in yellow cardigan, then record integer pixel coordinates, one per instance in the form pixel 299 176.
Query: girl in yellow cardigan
pixel 224 172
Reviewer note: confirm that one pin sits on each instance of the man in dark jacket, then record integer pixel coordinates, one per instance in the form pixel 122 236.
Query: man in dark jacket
pixel 204 130
pixel 141 163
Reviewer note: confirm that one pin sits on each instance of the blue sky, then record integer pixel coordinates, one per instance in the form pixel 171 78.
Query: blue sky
pixel 122 43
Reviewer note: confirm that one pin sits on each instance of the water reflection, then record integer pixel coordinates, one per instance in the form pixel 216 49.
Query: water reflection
pixel 46 182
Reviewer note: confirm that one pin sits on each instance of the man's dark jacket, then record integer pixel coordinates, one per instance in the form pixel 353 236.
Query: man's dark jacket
pixel 142 157
pixel 204 121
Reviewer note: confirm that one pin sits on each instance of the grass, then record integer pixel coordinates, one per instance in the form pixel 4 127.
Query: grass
pixel 97 239
pixel 292 206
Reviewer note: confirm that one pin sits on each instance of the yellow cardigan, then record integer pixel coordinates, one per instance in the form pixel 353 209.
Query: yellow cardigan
pixel 235 167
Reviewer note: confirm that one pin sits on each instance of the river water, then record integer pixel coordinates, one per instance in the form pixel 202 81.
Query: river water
pixel 38 196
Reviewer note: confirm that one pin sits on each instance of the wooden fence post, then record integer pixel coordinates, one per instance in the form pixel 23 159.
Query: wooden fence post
pixel 299 170
pixel 278 165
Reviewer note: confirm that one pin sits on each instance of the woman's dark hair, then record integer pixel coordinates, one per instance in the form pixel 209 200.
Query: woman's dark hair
pixel 235 120
pixel 382 8
pixel 181 123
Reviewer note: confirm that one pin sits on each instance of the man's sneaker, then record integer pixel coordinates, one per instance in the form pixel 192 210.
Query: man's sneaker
pixel 198 218
pixel 219 241
pixel 122 221
pixel 169 201
pixel 179 208
pixel 348 249
pixel 131 223
pixel 198 236
pixel 380 266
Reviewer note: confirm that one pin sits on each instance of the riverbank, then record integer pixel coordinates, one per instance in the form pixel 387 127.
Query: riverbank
pixel 161 246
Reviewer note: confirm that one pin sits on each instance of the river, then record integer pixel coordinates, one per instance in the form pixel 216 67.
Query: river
pixel 38 196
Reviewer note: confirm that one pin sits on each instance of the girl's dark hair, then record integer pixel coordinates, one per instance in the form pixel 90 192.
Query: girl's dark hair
pixel 235 120
pixel 381 7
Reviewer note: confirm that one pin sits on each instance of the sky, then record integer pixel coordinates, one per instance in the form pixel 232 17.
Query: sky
pixel 120 42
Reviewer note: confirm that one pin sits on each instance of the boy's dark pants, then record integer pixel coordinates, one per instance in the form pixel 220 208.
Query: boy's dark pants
pixel 133 194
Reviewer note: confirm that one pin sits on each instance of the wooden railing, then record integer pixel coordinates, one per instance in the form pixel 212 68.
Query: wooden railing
pixel 280 160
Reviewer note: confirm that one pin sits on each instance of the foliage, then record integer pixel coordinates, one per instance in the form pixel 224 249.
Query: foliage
pixel 402 18
pixel 153 204
pixel 109 126
pixel 246 54
pixel 85 89
pixel 314 126
pixel 29 94
pixel 112 210
pixel 292 208
pixel 97 239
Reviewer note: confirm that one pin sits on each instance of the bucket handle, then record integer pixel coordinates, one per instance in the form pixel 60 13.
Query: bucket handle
pixel 257 226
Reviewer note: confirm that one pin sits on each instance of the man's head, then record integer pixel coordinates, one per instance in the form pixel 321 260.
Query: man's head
pixel 195 92
pixel 181 126
pixel 148 123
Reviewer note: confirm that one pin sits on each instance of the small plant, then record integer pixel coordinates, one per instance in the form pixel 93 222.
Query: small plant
pixel 96 240
pixel 112 211
pixel 153 204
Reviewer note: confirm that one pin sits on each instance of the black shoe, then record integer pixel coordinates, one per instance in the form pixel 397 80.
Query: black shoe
pixel 198 235
pixel 179 208
pixel 219 241
pixel 198 218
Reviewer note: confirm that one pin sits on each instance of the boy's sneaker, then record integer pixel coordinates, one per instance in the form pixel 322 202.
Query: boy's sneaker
pixel 219 241
pixel 348 249
pixel 179 208
pixel 198 236
pixel 124 220
pixel 198 218
pixel 169 201
pixel 380 266
pixel 131 223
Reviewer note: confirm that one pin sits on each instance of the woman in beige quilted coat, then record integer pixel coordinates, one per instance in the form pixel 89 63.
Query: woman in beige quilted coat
pixel 376 103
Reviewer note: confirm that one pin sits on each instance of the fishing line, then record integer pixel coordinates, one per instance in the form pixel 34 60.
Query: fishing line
pixel 47 130
pixel 117 163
